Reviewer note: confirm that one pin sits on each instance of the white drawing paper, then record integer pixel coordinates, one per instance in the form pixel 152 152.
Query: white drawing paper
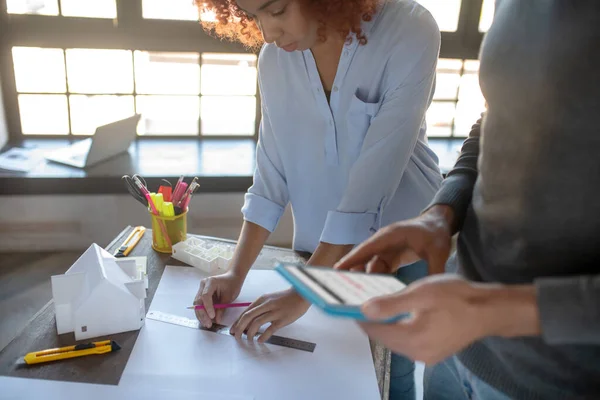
pixel 23 388
pixel 175 357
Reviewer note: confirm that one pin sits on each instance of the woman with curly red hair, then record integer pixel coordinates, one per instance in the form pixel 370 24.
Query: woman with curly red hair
pixel 344 86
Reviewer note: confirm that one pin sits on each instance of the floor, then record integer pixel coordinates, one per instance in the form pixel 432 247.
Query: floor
pixel 25 287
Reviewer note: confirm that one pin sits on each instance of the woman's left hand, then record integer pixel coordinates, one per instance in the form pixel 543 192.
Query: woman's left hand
pixel 280 309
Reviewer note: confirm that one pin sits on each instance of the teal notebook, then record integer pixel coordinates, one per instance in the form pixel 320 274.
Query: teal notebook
pixel 340 293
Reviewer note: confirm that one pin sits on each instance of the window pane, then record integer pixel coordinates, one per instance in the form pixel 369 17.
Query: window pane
pixel 439 117
pixel 167 73
pixel 445 12
pixel 447 79
pixel 39 70
pixel 449 65
pixel 469 83
pixel 165 115
pixel 471 102
pixel 89 112
pixel 99 71
pixel 172 9
pixel 40 7
pixel 228 74
pixel 471 66
pixel 467 113
pixel 89 8
pixel 228 115
pixel 487 15
pixel 44 114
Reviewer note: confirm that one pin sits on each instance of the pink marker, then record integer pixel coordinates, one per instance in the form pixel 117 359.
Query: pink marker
pixel 200 307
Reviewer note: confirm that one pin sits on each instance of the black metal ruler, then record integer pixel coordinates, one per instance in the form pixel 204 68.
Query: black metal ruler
pixel 224 330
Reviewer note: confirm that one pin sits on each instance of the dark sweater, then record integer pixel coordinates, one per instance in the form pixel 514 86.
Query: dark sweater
pixel 527 194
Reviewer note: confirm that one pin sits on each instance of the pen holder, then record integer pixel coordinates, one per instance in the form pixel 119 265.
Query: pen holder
pixel 175 228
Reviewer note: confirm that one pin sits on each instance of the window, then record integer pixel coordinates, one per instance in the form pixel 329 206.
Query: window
pixel 44 114
pixel 40 7
pixel 487 15
pixel 68 8
pixel 457 102
pixel 89 8
pixel 182 10
pixel 170 86
pixel 445 12
pixel 228 94
pixel 77 64
pixel 84 88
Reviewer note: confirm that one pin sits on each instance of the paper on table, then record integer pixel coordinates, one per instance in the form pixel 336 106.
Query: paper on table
pixel 20 159
pixel 171 356
pixel 22 388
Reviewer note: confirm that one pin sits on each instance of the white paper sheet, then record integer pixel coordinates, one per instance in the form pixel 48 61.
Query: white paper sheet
pixel 22 388
pixel 20 159
pixel 175 357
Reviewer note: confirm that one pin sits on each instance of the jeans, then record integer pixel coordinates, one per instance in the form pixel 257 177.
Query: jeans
pixel 451 380
pixel 402 377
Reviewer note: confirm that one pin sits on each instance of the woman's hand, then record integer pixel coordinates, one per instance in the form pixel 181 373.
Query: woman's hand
pixel 223 288
pixel 280 309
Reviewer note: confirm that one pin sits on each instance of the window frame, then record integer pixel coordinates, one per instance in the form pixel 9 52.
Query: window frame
pixel 130 31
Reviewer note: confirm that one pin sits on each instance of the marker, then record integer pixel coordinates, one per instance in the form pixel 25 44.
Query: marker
pixel 217 306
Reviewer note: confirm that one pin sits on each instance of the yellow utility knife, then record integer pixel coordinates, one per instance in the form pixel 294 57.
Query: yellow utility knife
pixel 79 350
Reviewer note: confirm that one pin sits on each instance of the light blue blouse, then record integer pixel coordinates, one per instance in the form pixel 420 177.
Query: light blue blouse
pixel 361 161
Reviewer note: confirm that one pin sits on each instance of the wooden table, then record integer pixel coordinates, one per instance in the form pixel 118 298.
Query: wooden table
pixel 40 333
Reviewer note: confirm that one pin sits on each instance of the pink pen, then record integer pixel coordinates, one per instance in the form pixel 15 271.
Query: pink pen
pixel 178 183
pixel 220 306
pixel 179 193
pixel 187 196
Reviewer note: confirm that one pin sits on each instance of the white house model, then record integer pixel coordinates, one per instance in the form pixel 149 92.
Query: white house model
pixel 99 296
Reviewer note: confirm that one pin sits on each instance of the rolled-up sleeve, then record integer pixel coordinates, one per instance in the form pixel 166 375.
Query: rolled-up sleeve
pixel 266 199
pixel 389 142
pixel 569 309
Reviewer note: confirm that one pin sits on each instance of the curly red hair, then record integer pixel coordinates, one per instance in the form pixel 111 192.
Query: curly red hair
pixel 345 16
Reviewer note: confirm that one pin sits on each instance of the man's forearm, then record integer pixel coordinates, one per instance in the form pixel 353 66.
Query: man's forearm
pixel 444 213
pixel 507 310
pixel 250 243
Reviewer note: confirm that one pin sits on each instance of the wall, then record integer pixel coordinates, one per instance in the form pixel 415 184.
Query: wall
pixel 51 223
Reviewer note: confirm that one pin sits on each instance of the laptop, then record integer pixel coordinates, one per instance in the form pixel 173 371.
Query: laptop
pixel 108 141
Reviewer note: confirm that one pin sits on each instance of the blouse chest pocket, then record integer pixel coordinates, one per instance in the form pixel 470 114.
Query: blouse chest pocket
pixel 360 114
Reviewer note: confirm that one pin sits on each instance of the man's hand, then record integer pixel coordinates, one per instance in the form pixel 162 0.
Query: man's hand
pixel 426 237
pixel 448 314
